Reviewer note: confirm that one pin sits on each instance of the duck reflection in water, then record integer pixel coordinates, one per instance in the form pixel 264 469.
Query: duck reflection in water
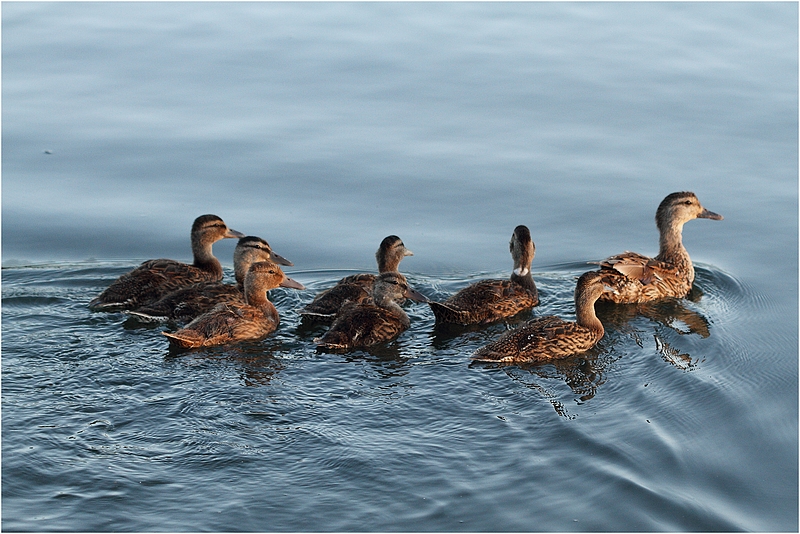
pixel 583 374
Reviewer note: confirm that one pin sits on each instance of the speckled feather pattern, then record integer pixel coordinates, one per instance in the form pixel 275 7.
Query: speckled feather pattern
pixel 232 322
pixel 375 320
pixel 226 323
pixel 357 287
pixel 637 278
pixel 155 278
pixel 483 302
pixel 551 337
pixel 542 338
pixel 491 300
pixel 186 303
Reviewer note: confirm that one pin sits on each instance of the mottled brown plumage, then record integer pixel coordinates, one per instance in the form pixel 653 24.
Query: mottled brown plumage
pixel 231 322
pixel 551 337
pixel 375 320
pixel 492 300
pixel 637 278
pixel 155 278
pixel 186 303
pixel 357 287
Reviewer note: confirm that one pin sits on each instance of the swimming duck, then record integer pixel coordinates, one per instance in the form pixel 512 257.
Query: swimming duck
pixel 155 278
pixel 356 287
pixel 375 320
pixel 230 322
pixel 186 303
pixel 637 278
pixel 551 337
pixel 491 300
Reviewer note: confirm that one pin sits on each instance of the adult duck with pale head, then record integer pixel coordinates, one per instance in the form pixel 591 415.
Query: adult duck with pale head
pixel 637 278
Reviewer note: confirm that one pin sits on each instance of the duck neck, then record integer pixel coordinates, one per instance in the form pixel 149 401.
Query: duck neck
pixel 671 249
pixel 525 280
pixel 585 314
pixel 204 257
pixel 388 264
pixel 257 298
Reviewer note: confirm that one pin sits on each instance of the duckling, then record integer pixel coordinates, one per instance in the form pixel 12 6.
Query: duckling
pixel 230 322
pixel 356 287
pixel 637 278
pixel 374 320
pixel 186 303
pixel 491 300
pixel 155 278
pixel 550 337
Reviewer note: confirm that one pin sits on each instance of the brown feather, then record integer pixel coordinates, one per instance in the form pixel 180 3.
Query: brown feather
pixel 155 278
pixel 357 287
pixel 637 278
pixel 551 337
pixel 375 320
pixel 491 300
pixel 231 322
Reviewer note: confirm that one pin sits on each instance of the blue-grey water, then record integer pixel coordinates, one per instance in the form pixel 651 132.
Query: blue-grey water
pixel 324 127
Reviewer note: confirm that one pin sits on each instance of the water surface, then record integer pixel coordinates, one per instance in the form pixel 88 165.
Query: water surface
pixel 325 127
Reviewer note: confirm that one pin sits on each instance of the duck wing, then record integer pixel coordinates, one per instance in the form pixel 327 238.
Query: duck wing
pixel 325 306
pixel 484 301
pixel 362 325
pixel 147 283
pixel 186 303
pixel 543 338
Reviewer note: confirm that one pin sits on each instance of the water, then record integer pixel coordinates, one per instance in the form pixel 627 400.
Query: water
pixel 325 127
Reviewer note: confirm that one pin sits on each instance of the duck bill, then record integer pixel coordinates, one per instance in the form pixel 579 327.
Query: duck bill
pixel 233 233
pixel 280 260
pixel 705 214
pixel 407 252
pixel 413 294
pixel 294 284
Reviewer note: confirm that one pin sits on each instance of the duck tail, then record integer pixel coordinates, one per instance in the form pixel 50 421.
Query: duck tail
pixel 146 317
pixel 183 339
pixel 332 341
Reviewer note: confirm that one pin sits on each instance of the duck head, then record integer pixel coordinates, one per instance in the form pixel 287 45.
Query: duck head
pixel 679 208
pixel 522 250
pixel 390 252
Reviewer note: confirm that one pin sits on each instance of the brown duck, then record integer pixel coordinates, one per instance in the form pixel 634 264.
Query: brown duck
pixel 551 337
pixel 231 322
pixel 357 287
pixel 186 303
pixel 636 278
pixel 155 278
pixel 491 300
pixel 375 320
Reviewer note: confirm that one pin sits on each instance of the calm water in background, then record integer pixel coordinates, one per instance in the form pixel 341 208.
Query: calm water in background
pixel 325 127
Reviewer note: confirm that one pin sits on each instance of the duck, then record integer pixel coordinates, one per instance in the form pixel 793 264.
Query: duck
pixel 155 278
pixel 637 278
pixel 356 287
pixel 230 322
pixel 550 337
pixel 186 303
pixel 375 320
pixel 491 300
